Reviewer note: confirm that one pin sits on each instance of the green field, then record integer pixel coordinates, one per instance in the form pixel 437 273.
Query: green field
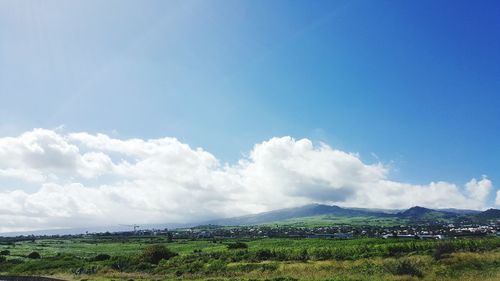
pixel 329 220
pixel 260 259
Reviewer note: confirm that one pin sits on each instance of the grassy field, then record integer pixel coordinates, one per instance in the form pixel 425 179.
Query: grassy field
pixel 125 258
pixel 329 220
pixel 87 248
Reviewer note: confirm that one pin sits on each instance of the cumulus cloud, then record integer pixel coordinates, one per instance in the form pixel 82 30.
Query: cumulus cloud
pixel 479 190
pixel 84 179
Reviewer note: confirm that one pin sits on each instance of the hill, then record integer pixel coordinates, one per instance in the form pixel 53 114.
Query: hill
pixel 318 214
pixel 307 211
pixel 490 214
pixel 421 213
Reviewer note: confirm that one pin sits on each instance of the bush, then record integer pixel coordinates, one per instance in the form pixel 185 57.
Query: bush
pixel 5 252
pixel 263 254
pixel 404 267
pixel 34 255
pixel 86 271
pixel 216 266
pixel 237 245
pixel 143 266
pixel 101 257
pixel 188 267
pixel 48 265
pixel 155 253
pixel 2 259
pixel 248 267
pixel 442 251
pixel 120 263
pixel 320 254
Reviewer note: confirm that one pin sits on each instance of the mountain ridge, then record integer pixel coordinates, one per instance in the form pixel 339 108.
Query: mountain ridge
pixel 416 213
pixel 294 212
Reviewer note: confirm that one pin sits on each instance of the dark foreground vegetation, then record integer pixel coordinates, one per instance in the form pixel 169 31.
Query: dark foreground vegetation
pixel 159 258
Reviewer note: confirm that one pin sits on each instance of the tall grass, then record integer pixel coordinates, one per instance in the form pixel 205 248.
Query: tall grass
pixel 261 259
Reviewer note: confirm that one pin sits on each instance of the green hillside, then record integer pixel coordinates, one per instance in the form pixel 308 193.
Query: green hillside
pixel 319 215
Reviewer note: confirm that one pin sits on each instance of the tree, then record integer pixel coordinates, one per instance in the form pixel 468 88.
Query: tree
pixel 34 255
pixel 237 245
pixel 102 257
pixel 155 253
pixel 442 250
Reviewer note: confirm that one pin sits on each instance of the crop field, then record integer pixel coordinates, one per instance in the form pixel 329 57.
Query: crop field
pixel 154 258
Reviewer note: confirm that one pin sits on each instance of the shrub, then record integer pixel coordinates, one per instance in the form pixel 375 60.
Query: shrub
pixel 366 267
pixel 143 266
pixel 442 251
pixel 403 267
pixel 248 267
pixel 237 245
pixel 2 259
pixel 189 267
pixel 237 255
pixel 85 270
pixel 263 254
pixel 397 249
pixel 155 253
pixel 216 266
pixel 121 263
pixel 321 254
pixel 5 252
pixel 34 255
pixel 101 257
pixel 48 265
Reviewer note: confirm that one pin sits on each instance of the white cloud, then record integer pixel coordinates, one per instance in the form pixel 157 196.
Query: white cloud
pixel 26 174
pixel 86 179
pixel 479 190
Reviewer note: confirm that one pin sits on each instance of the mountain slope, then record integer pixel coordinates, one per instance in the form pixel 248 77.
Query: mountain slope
pixel 308 211
pixel 490 214
pixel 421 213
pixel 325 214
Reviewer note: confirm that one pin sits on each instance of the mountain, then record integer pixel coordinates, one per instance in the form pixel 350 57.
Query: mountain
pixel 307 211
pixel 490 214
pixel 318 213
pixel 312 210
pixel 418 212
pixel 326 214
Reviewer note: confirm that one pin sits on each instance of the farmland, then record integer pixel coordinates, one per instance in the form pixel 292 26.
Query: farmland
pixel 160 258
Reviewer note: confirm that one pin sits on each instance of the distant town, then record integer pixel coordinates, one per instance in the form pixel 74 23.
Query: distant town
pixel 215 232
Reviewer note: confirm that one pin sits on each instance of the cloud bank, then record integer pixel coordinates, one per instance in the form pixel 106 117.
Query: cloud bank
pixel 49 180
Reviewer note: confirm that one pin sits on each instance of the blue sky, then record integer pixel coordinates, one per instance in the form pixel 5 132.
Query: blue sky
pixel 413 84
